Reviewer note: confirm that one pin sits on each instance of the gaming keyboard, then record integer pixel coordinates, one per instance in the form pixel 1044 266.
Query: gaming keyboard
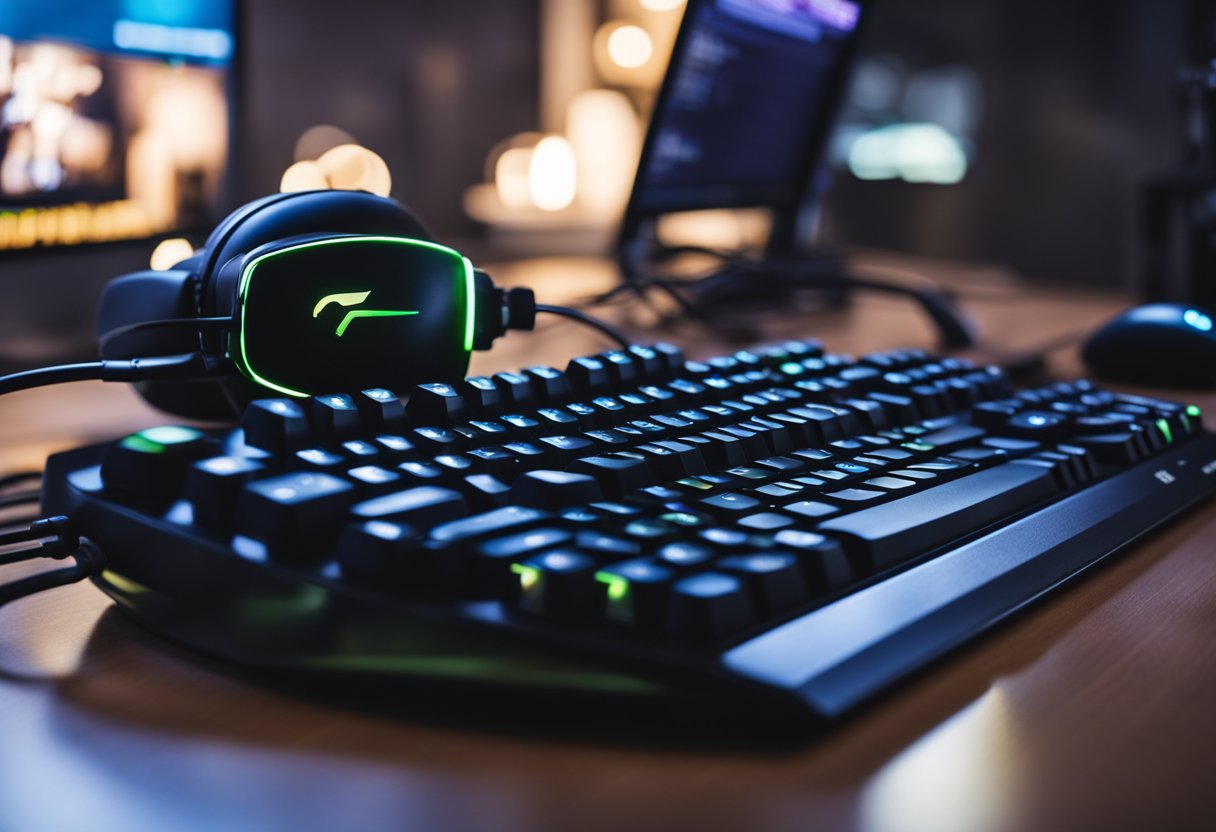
pixel 782 528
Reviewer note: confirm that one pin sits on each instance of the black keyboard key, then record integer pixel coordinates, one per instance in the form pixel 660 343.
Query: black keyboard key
pixel 560 451
pixel 491 564
pixel 553 490
pixel 708 606
pixel 213 488
pixel 320 459
pixel 548 384
pixel 559 584
pixel 297 516
pixel 887 534
pixel 436 404
pixel 617 475
pixel 588 373
pixel 980 455
pixel 377 550
pixel 635 593
pixel 956 436
pixel 1111 448
pixel 765 521
pixel 730 504
pixel 277 426
pixel 772 579
pixel 484 492
pixel 372 479
pixel 149 466
pixel 672 355
pixel 812 508
pixel 432 440
pixel 485 524
pixel 515 389
pixel 422 507
pixel 622 368
pixel 822 559
pixel 1040 425
pixel 606 547
pixel 380 410
pixel 334 418
pixel 482 395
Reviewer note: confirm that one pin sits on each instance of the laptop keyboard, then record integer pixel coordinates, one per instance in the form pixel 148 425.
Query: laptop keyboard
pixel 781 524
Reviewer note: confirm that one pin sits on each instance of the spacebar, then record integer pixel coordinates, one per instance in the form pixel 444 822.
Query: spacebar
pixel 893 532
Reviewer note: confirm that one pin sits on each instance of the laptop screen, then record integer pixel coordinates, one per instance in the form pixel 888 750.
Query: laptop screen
pixel 749 96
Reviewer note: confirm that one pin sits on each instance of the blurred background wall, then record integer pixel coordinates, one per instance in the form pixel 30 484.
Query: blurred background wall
pixel 1054 113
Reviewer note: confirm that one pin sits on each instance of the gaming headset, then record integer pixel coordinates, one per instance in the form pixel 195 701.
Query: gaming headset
pixel 298 294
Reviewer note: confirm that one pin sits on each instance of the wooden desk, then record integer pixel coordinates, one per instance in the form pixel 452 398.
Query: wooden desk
pixel 1095 710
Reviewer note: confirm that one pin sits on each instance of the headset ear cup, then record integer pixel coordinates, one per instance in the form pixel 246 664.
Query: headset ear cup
pixel 150 296
pixel 147 296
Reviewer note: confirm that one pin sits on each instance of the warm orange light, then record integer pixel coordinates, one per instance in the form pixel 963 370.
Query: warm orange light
pixel 630 46
pixel 303 176
pixel 168 253
pixel 352 167
pixel 553 174
pixel 661 5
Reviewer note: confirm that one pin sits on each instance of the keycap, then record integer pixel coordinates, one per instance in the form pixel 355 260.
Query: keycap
pixel 606 547
pixel 957 436
pixel 487 523
pixel 617 475
pixel 635 593
pixel 380 410
pixel 482 395
pixel 587 373
pixel 491 563
pixel 889 533
pixel 149 465
pixel 484 491
pixel 672 355
pixel 822 559
pixel 765 521
pixel 707 606
pixel 436 404
pixel 772 579
pixel 553 490
pixel 1111 448
pixel 297 516
pixel 377 550
pixel 622 368
pixel 423 506
pixel 559 584
pixel 213 488
pixel 515 389
pixel 372 479
pixel 548 384
pixel 278 426
pixel 729 504
pixel 1037 424
pixel 334 418
pixel 812 508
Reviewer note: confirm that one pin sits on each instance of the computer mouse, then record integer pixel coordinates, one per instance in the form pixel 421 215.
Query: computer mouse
pixel 1160 345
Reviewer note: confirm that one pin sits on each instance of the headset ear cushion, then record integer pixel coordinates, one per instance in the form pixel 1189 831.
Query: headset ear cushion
pixel 148 296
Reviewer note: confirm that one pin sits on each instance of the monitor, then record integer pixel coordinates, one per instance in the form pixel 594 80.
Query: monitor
pixel 115 119
pixel 746 105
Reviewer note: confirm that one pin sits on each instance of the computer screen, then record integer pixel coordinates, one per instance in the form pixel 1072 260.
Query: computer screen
pixel 748 97
pixel 114 118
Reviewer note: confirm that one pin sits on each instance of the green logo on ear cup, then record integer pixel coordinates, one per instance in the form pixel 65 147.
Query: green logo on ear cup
pixel 352 299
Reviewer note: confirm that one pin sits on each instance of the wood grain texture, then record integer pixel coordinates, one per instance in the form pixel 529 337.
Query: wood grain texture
pixel 1093 710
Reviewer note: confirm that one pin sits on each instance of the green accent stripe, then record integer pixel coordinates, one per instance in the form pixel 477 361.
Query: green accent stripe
pixel 369 313
pixel 469 302
pixel 1164 427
